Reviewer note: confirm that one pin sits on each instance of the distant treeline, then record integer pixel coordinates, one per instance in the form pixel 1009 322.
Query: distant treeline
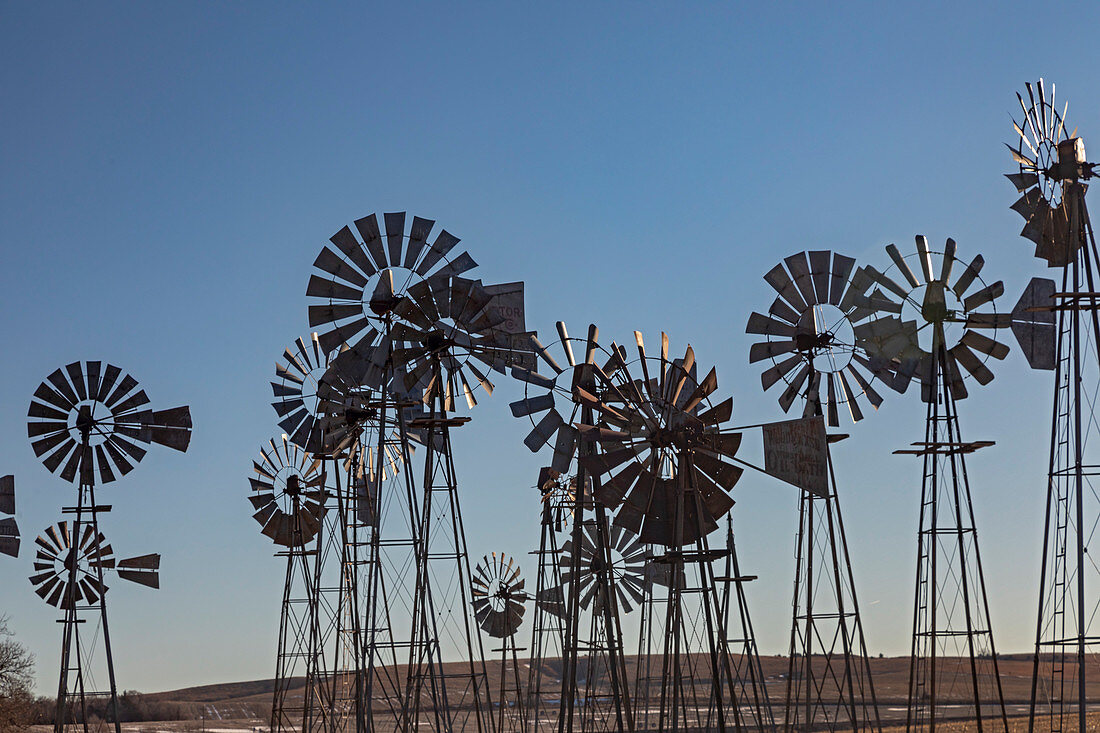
pixel 133 707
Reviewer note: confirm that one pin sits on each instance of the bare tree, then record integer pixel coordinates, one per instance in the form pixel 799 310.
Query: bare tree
pixel 16 680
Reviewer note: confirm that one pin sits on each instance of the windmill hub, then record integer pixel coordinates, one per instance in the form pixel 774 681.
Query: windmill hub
pixel 664 438
pixel 355 415
pixel 1071 163
pixel 934 307
pixel 383 299
pixel 84 421
pixel 436 341
pixel 823 330
pixel 293 485
pixel 811 342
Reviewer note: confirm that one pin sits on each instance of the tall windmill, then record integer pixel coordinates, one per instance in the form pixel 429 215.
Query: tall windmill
pixel 665 467
pixel 937 321
pixel 591 638
pixel 88 422
pixel 1054 323
pixel 413 328
pixel 810 341
pixel 498 600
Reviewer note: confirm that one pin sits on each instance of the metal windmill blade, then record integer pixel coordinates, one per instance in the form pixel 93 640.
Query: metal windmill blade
pixel 297 398
pixel 1048 158
pixel 288 495
pixel 657 421
pixel 548 390
pixel 809 339
pixel 951 305
pixel 9 530
pixel 631 573
pixel 497 595
pixel 363 277
pixel 321 403
pixel 447 327
pixel 58 550
pixel 87 420
pixel 405 305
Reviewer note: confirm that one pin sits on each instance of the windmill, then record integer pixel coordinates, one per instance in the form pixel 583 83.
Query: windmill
pixel 933 325
pixel 9 530
pixel 665 468
pixel 1054 323
pixel 415 330
pixel 288 497
pixel 497 596
pixel 326 413
pixel 589 636
pixel 88 422
pixel 810 341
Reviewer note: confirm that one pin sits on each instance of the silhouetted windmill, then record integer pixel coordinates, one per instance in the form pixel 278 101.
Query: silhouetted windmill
pixel 88 422
pixel 810 340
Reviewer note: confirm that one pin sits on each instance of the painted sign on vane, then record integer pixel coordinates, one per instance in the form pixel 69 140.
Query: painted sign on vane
pixel 508 302
pixel 795 451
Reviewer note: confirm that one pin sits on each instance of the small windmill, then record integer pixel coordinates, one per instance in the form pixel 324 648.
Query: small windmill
pixel 88 422
pixel 1054 323
pixel 288 498
pixel 810 339
pixel 59 550
pixel 933 325
pixel 498 601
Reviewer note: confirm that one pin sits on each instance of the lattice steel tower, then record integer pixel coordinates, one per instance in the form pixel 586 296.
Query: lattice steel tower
pixel 811 343
pixel 1058 327
pixel 933 326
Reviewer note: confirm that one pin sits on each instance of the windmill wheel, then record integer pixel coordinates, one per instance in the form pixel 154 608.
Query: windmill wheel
pixel 103 406
pixel 58 551
pixel 662 434
pixel 498 595
pixel 811 338
pixel 401 302
pixel 936 306
pixel 1047 159
pixel 369 277
pixel 288 494
pixel 629 572
pixel 548 390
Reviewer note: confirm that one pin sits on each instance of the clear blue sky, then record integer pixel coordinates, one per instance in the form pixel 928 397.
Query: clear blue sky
pixel 169 172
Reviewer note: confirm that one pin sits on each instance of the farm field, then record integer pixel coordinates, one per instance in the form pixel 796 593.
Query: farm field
pixel 230 707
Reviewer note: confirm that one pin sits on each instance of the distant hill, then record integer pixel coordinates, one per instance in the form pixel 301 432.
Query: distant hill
pixel 252 700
